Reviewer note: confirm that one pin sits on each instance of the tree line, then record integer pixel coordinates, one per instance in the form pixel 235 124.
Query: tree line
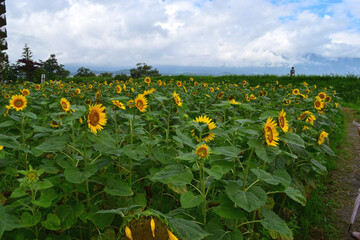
pixel 27 69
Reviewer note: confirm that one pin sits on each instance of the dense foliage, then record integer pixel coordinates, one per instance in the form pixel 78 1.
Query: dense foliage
pixel 183 158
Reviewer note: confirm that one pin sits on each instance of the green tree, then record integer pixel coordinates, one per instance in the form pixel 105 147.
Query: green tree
pixel 84 72
pixel 26 65
pixel 106 74
pixel 53 69
pixel 143 70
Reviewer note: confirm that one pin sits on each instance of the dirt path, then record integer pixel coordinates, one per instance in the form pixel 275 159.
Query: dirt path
pixel 344 182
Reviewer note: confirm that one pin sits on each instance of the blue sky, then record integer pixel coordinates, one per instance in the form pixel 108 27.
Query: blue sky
pixel 218 33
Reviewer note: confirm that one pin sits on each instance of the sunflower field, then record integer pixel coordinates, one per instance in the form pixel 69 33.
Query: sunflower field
pixel 160 159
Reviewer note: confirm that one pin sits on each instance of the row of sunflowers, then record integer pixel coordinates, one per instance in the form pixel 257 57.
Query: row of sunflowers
pixel 164 159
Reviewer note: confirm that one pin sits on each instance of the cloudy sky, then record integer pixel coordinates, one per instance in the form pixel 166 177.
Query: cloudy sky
pixel 231 33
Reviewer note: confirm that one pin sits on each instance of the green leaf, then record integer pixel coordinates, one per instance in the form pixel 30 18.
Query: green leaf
pixel 73 174
pixel 101 220
pixel 184 139
pixel 250 200
pixel 46 198
pixel 229 151
pixel 52 222
pixel 216 229
pixel 174 174
pixel 283 176
pixel 295 195
pixel 260 150
pixel 30 115
pixel 187 230
pixel 270 113
pixel 118 188
pixel 7 124
pixel 266 177
pixel 9 142
pixel 121 211
pixel 227 209
pixel 67 216
pixel 54 144
pixel 273 222
pixel 318 167
pixel 189 200
pixel 19 192
pixel 293 138
pixel 29 220
pixel 327 150
pixel 136 153
pixel 12 222
pixel 42 185
pixel 2 220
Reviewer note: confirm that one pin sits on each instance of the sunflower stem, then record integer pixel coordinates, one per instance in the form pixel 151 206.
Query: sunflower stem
pixel 131 144
pixel 168 127
pixel 116 130
pixel 23 141
pixel 247 167
pixel 202 189
pixel 86 180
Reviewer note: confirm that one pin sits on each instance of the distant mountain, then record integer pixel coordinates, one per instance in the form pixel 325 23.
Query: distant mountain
pixel 312 65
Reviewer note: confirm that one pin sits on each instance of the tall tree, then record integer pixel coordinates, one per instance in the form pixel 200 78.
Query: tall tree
pixel 26 65
pixel 84 72
pixel 53 69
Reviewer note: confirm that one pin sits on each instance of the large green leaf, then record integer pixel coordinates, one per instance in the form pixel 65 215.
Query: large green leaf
pixel 52 222
pixel 266 177
pixel 54 144
pixel 293 138
pixel 187 230
pixel 295 195
pixel 174 174
pixel 9 142
pixel 260 150
pixel 273 222
pixel 134 153
pixel 118 188
pixel 29 220
pixel 227 209
pixel 2 220
pixel 250 200
pixel 73 174
pixel 182 138
pixel 216 229
pixel 229 151
pixel 189 200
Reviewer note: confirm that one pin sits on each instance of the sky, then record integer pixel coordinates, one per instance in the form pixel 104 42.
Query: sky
pixel 208 33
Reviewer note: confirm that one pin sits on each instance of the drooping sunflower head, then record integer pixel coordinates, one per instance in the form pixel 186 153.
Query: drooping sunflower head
pixel 141 102
pixel 65 104
pixel 220 95
pixel 177 99
pixel 18 102
pixel 206 133
pixel 271 134
pixel 202 151
pixel 283 123
pixel 96 118
pixel 118 104
pixel 322 137
pixel 296 91
pixel 54 124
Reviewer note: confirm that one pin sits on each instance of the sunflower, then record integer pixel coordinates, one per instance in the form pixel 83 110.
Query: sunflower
pixel 147 80
pixel 283 122
pixel 7 110
pixel 77 91
pixel 202 151
pixel 177 99
pixel 234 102
pixel 322 95
pixel 96 117
pixel 328 99
pixel 212 89
pixel 37 87
pixel 88 101
pixel 322 137
pixel 271 134
pixel 54 124
pixel 18 102
pixel 319 104
pixel 194 93
pixel 118 104
pixel 65 104
pixel 296 91
pixel 25 92
pixel 131 103
pixel 220 95
pixel 179 84
pixel 211 125
pixel 148 92
pixel 32 175
pixel 1 147
pixel 160 82
pixel 141 102
pixel 252 97
pixel 247 97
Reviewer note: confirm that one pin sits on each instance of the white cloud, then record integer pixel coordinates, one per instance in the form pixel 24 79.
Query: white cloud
pixel 182 32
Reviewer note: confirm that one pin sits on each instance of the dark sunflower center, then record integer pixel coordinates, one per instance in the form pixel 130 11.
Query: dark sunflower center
pixel 282 122
pixel 64 105
pixel 18 103
pixel 32 176
pixel 202 152
pixel 94 118
pixel 139 104
pixel 269 134
pixel 317 104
